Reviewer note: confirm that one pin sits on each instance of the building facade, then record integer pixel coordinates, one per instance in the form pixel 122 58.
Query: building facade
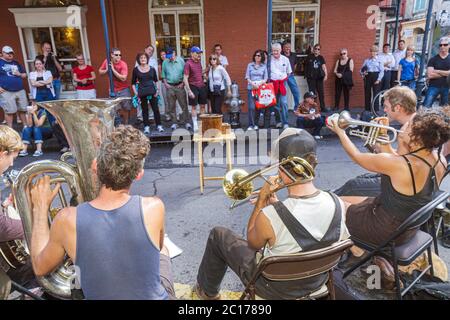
pixel 239 26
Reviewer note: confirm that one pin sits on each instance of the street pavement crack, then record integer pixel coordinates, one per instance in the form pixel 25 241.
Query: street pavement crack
pixel 162 177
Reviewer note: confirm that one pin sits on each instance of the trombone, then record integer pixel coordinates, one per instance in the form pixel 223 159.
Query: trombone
pixel 238 184
pixel 373 136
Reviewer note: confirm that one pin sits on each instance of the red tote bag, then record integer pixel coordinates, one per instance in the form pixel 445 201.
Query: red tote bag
pixel 265 96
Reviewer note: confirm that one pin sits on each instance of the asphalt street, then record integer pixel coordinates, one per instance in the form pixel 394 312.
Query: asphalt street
pixel 190 215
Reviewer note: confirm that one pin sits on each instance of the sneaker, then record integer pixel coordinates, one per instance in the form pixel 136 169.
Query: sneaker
pixel 147 130
pixel 23 153
pixel 64 150
pixel 202 295
pixel 160 129
pixel 38 153
pixel 174 127
pixel 4 122
pixel 256 127
pixel 188 126
pixel 279 125
pixel 250 129
pixel 285 126
pixel 168 118
pixel 318 137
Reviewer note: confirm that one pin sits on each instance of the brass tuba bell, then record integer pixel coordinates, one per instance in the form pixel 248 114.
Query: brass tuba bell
pixel 85 123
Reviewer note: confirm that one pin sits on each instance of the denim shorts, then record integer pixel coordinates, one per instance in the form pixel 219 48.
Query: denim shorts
pixel 125 105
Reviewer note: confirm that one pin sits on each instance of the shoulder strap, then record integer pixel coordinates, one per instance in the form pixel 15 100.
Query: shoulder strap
pixel 420 158
pixel 304 239
pixel 411 172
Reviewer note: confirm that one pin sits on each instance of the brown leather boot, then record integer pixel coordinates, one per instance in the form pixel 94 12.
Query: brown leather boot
pixel 387 273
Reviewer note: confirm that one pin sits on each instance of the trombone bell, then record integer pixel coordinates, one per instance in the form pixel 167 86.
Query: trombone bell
pixel 234 189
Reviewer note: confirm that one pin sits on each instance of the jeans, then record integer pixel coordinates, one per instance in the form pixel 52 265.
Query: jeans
pixel 282 108
pixel 38 134
pixel 316 85
pixel 432 94
pixel 57 87
pixel 366 185
pixel 316 124
pixel 410 84
pixel 44 95
pixel 386 81
pixel 292 83
pixel 253 114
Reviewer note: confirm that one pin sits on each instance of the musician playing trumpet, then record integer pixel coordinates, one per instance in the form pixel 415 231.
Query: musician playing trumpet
pixel 399 106
pixel 320 215
pixel 408 177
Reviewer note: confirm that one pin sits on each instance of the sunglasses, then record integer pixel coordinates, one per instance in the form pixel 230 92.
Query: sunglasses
pixel 343 53
pixel 213 59
pixel 117 54
pixel 317 49
pixel 443 45
pixel 257 55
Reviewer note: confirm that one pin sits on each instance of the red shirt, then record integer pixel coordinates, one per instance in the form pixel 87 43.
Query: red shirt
pixel 195 72
pixel 122 69
pixel 85 73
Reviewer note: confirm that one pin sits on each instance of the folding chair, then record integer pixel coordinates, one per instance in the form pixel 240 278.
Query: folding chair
pixel 300 266
pixel 6 286
pixel 404 254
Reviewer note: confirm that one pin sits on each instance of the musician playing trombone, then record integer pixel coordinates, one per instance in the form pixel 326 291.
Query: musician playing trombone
pixel 408 178
pixel 400 107
pixel 319 215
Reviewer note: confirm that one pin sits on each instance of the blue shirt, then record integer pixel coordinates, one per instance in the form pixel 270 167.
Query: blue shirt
pixel 408 69
pixel 374 65
pixel 256 73
pixel 8 81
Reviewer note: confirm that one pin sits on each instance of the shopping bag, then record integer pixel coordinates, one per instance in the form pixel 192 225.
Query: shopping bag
pixel 265 96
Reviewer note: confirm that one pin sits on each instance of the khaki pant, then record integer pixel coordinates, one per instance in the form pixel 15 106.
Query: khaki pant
pixel 178 94
pixel 14 101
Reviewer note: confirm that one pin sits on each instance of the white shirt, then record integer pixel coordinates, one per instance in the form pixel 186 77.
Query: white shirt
pixel 280 68
pixel 398 55
pixel 387 58
pixel 223 61
pixel 315 214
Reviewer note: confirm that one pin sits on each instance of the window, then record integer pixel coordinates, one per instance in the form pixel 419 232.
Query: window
pixel 177 24
pixel 51 3
pixel 50 25
pixel 66 42
pixel 420 5
pixel 299 26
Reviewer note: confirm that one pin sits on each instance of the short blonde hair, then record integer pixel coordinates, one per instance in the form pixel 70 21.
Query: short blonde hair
pixel 402 96
pixel 10 140
pixel 374 48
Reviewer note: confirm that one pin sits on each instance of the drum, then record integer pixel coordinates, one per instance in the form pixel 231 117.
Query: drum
pixel 211 125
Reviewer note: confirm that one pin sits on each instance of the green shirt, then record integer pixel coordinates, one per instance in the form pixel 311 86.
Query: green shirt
pixel 173 71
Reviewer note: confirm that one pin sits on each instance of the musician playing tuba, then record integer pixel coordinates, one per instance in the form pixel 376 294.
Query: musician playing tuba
pixel 116 240
pixel 408 179
pixel 11 229
pixel 318 218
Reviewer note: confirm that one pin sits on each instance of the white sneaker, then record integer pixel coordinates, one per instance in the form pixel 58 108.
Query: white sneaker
pixel 23 153
pixel 188 126
pixel 256 127
pixel 64 150
pixel 174 127
pixel 160 129
pixel 38 153
pixel 250 129
pixel 279 125
pixel 285 126
pixel 147 130
pixel 318 137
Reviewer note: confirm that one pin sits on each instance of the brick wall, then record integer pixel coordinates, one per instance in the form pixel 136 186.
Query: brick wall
pixel 241 28
pixel 343 24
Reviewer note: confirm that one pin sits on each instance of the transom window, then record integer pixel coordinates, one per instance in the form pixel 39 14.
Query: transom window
pixel 420 5
pixel 168 3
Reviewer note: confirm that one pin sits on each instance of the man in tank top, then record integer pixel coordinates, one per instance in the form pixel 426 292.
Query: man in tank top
pixel 318 219
pixel 114 240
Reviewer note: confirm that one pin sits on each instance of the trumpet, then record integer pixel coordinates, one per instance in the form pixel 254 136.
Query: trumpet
pixel 238 184
pixel 373 136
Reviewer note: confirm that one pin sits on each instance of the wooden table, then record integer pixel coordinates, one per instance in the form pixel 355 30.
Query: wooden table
pixel 199 139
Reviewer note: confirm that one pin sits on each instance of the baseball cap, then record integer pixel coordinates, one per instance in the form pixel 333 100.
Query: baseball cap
pixel 293 142
pixel 196 50
pixel 169 53
pixel 310 94
pixel 7 49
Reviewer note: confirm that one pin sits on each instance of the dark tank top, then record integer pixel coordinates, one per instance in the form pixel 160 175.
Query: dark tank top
pixel 402 206
pixel 115 255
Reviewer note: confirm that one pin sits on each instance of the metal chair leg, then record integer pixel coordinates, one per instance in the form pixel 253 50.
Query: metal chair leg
pixel 396 273
pixel 430 261
pixel 433 234
pixel 330 285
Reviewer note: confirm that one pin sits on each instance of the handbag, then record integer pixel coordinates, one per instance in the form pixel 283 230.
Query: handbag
pixel 347 77
pixel 265 96
pixel 148 89
pixel 217 88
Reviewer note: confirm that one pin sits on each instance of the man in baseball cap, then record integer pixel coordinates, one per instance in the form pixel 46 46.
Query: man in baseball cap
pixel 195 49
pixel 309 115
pixel 7 49
pixel 308 219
